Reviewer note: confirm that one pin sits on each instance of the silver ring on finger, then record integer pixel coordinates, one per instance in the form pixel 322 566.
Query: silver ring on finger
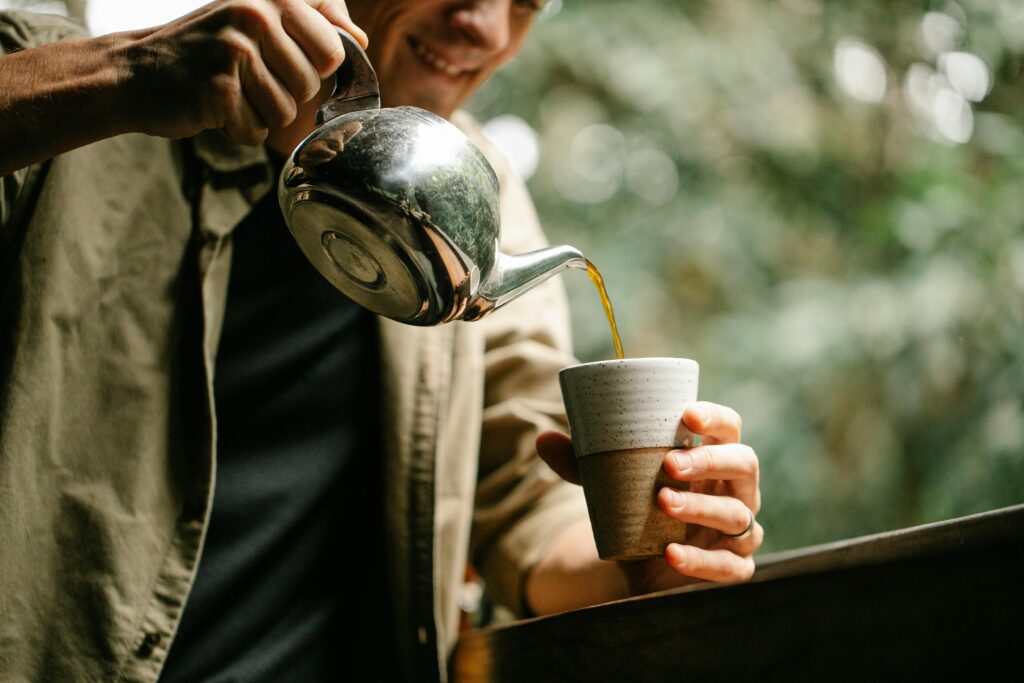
pixel 750 527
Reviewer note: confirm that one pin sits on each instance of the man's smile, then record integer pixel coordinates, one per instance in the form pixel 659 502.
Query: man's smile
pixel 435 61
pixel 434 54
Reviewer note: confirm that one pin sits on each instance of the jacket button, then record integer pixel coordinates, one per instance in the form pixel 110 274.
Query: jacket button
pixel 149 641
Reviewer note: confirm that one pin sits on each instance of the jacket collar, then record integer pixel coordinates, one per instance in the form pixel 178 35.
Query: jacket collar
pixel 224 156
pixel 228 165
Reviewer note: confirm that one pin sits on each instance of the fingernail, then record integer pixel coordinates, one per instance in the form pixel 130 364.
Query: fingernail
pixel 675 498
pixel 683 462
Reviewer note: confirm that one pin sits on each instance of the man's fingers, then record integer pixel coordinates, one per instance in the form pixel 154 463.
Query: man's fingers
pixel 733 462
pixel 722 513
pixel 555 449
pixel 267 96
pixel 336 12
pixel 720 566
pixel 290 51
pixel 290 62
pixel 745 545
pixel 727 461
pixel 315 33
pixel 714 423
pixel 243 125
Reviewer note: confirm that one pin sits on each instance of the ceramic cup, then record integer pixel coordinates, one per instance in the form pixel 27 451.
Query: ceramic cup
pixel 624 416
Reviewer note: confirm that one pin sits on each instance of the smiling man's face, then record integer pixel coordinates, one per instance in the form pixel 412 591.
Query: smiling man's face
pixel 434 54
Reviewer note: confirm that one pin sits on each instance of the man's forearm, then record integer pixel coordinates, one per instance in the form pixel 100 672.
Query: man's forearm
pixel 58 97
pixel 570 575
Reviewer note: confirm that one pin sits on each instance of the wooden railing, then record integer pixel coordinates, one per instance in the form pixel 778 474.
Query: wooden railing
pixel 939 600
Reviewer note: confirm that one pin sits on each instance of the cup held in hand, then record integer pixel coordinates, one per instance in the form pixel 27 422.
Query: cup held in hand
pixel 625 415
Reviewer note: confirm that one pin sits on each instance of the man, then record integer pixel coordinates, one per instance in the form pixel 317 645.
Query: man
pixel 153 317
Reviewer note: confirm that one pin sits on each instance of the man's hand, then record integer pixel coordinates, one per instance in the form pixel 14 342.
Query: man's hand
pixel 245 67
pixel 723 498
pixel 241 66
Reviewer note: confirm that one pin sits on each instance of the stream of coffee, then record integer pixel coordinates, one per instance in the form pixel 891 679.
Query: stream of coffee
pixel 595 277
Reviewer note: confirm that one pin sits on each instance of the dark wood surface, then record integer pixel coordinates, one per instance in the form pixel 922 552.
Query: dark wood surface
pixel 937 600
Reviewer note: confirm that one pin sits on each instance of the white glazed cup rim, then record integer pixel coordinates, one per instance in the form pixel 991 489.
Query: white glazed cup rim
pixel 624 404
pixel 611 362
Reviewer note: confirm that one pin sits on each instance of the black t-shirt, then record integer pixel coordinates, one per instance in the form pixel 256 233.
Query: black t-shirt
pixel 293 556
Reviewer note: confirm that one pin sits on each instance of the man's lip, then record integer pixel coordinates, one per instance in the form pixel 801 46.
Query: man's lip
pixel 437 61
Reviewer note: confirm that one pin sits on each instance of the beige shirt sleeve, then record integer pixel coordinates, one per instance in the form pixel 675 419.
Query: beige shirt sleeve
pixel 521 504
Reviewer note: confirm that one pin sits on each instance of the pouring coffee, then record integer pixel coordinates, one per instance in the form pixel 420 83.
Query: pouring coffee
pixel 399 210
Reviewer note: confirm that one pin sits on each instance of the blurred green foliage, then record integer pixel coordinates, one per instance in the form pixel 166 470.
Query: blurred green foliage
pixel 849 272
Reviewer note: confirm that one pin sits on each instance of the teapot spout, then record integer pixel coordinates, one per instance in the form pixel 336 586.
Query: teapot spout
pixel 516 275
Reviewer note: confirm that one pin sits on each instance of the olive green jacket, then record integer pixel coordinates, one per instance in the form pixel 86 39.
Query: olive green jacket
pixel 114 262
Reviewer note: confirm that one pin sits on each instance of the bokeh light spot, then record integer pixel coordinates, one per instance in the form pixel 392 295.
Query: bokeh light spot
pixel 595 165
pixel 517 141
pixel 651 175
pixel 966 73
pixel 860 70
pixel 953 116
pixel 940 32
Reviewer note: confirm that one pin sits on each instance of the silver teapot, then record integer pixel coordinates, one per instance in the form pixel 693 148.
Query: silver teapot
pixel 399 210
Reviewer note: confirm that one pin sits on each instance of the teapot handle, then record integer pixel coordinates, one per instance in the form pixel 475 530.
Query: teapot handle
pixel 355 83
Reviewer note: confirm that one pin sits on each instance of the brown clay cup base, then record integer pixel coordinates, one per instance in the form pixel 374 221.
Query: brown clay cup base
pixel 621 488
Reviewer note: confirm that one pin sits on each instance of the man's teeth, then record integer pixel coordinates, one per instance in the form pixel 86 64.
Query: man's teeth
pixel 435 61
